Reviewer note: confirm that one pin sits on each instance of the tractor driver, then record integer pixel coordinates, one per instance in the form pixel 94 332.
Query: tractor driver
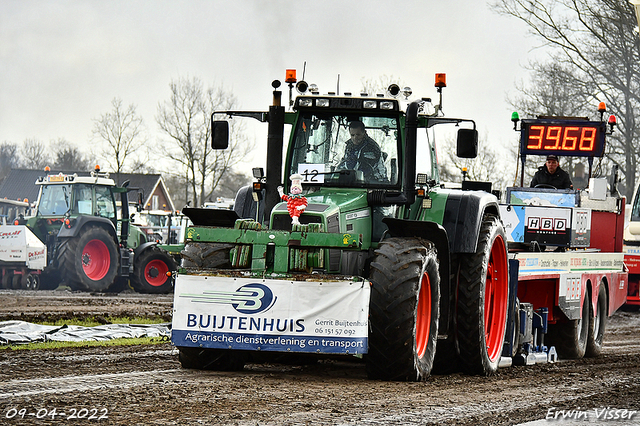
pixel 550 174
pixel 363 153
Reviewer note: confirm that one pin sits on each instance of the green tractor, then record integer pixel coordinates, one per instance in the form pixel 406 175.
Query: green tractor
pixel 88 246
pixel 383 263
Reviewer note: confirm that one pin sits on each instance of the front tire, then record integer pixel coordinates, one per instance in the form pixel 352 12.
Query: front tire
pixel 483 296
pixel 404 310
pixel 89 262
pixel 152 272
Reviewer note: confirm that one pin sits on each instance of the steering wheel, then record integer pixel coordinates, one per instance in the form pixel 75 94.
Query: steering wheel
pixel 545 185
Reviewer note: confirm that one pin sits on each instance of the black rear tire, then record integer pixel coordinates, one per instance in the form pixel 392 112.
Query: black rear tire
pixel 89 262
pixel 211 359
pixel 597 325
pixel 483 299
pixel 404 310
pixel 150 271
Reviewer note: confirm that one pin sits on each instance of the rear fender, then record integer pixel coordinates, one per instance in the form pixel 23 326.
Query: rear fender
pixel 438 236
pixel 81 221
pixel 464 211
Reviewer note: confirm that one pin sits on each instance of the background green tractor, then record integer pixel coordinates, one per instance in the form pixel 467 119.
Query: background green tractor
pixel 435 258
pixel 88 246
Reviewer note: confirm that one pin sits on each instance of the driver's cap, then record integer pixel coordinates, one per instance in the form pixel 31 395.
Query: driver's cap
pixel 552 157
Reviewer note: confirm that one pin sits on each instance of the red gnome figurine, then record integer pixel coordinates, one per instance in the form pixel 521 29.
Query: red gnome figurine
pixel 296 202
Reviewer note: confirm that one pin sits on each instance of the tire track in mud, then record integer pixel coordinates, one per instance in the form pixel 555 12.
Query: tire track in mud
pixel 65 384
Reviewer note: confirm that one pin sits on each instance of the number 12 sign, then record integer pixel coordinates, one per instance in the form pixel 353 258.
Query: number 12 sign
pixel 563 137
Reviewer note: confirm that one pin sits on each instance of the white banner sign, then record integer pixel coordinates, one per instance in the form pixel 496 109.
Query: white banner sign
pixel 271 315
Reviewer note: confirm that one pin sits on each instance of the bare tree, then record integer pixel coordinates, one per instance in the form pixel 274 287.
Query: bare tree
pixel 553 90
pixel 486 167
pixel 380 85
pixel 8 158
pixel 186 119
pixel 121 129
pixel 69 158
pixel 34 154
pixel 598 42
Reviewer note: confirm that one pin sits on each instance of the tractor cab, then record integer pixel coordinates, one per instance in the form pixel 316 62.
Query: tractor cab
pixel 76 196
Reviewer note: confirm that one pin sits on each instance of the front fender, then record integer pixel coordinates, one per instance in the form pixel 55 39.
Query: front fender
pixel 143 247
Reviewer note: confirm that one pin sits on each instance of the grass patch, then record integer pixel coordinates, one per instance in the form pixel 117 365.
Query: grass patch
pixel 87 344
pixel 94 321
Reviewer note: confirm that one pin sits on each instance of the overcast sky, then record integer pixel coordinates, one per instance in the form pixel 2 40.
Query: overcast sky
pixel 62 62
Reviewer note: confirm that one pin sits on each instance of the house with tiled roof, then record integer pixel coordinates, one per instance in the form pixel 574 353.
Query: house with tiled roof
pixel 20 184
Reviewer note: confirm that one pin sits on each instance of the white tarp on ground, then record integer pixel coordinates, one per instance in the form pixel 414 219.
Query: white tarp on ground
pixel 20 332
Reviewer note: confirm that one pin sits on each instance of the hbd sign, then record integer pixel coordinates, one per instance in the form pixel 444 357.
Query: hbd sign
pixel 548 225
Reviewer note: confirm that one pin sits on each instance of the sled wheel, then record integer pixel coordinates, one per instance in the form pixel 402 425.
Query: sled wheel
pixel 515 338
pixel 404 310
pixel 597 325
pixel 90 261
pixel 211 359
pixel 570 337
pixel 483 295
pixel 7 280
pixel 153 271
pixel 16 282
pixel 33 282
pixel 206 255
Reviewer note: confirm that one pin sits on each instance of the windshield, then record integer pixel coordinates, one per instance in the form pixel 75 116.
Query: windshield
pixel 54 200
pixel 341 150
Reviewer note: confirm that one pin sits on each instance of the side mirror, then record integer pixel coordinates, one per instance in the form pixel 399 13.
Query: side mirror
pixel 467 143
pixel 219 134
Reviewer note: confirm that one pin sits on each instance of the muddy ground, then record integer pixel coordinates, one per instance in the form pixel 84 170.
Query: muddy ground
pixel 144 385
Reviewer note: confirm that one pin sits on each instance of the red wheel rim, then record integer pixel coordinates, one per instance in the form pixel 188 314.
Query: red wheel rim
pixel 496 298
pixel 96 260
pixel 155 272
pixel 423 316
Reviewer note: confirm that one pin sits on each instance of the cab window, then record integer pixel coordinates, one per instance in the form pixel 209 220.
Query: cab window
pixel 105 206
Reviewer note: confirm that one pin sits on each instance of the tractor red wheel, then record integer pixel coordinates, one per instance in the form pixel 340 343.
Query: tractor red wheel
pixel 153 271
pixel 156 272
pixel 423 316
pixel 482 300
pixel 496 298
pixel 95 259
pixel 89 261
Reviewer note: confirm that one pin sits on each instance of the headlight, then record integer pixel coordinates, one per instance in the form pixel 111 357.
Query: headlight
pixel 386 105
pixel 322 102
pixel 305 102
pixel 370 104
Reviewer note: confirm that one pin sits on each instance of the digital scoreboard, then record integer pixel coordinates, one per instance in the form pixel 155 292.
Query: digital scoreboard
pixel 562 137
